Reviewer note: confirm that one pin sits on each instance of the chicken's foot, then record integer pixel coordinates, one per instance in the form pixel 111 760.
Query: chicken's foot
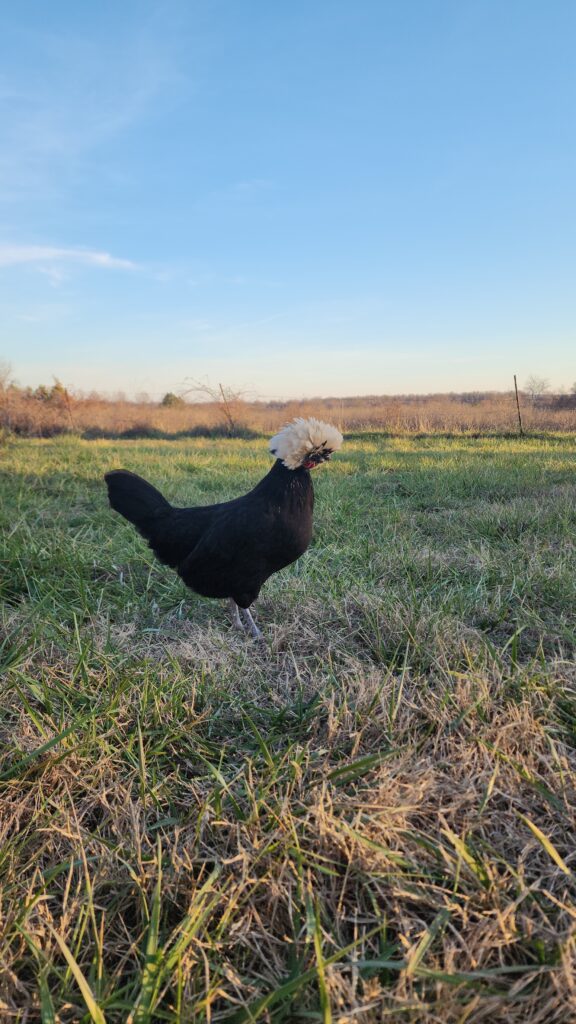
pixel 251 625
pixel 235 613
pixel 248 625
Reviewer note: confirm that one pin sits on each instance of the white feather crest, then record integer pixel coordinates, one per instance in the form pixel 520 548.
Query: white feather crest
pixel 302 438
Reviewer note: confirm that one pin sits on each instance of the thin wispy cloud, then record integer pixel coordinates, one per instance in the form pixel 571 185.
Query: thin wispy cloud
pixel 43 256
pixel 69 105
pixel 44 314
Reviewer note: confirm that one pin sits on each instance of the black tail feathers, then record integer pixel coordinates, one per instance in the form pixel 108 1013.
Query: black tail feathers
pixel 138 501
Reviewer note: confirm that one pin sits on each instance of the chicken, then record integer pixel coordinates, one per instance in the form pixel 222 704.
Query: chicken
pixel 229 550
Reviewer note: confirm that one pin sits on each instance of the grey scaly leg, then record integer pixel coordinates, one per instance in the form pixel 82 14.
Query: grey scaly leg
pixel 235 612
pixel 251 625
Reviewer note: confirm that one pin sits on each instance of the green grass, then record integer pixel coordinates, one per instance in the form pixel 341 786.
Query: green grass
pixel 369 817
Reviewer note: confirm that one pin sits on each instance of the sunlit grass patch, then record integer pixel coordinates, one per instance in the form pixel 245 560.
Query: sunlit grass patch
pixel 368 818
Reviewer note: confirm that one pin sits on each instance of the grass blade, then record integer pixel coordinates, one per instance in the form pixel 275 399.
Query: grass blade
pixel 143 1005
pixel 87 994
pixel 47 1011
pixel 324 996
pixel 547 844
pixel 254 1011
pixel 25 761
pixel 359 767
pixel 426 941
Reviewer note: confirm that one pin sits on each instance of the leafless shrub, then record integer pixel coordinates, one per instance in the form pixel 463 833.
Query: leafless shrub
pixel 228 401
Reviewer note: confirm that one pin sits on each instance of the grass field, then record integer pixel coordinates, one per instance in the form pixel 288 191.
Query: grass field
pixel 368 818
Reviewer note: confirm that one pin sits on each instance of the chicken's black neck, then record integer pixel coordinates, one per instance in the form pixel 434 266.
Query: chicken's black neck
pixel 281 482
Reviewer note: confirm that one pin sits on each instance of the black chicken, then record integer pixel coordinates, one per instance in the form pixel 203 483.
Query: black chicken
pixel 229 550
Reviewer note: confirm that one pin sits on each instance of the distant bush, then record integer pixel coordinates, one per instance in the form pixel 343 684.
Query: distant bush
pixel 172 401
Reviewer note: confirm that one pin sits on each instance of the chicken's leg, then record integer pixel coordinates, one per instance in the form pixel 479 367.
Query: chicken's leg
pixel 235 613
pixel 251 625
pixel 248 625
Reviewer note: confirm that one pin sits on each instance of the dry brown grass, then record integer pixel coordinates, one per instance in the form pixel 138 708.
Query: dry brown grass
pixel 31 416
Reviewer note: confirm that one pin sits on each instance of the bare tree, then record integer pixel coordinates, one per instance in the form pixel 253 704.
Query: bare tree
pixel 225 398
pixel 5 376
pixel 536 387
pixel 5 382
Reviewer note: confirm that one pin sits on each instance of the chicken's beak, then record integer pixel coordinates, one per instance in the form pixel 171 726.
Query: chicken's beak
pixel 316 459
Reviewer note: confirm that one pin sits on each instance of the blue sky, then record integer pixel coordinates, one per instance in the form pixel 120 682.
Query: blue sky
pixel 314 198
